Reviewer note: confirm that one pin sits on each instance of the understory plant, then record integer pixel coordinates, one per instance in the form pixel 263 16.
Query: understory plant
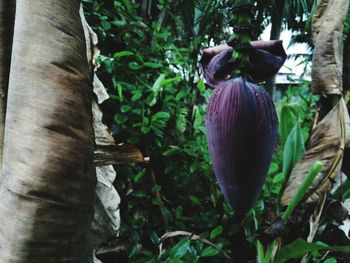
pixel 172 209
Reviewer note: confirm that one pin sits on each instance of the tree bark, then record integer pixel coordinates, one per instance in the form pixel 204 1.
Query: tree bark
pixel 47 196
pixel 7 18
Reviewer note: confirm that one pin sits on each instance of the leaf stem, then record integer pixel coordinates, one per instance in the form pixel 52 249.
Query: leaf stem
pixel 304 186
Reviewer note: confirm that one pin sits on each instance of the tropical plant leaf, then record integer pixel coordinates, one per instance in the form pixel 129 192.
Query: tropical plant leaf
pixel 294 149
pixel 287 119
pixel 300 247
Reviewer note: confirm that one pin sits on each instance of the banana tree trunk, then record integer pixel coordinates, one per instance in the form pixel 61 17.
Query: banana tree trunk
pixel 47 196
pixel 7 18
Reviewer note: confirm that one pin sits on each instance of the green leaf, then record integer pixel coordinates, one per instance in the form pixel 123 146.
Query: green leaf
pixel 156 189
pixel 106 25
pixel 201 86
pixel 294 149
pixel 171 80
pixel 305 184
pixel 140 194
pixel 173 150
pixel 273 168
pixel 145 129
pixel 154 238
pixel 180 249
pixel 161 115
pixel 194 199
pixel 108 64
pixel 343 191
pixel 300 247
pixel 209 252
pixel 128 5
pixel 330 260
pixel 134 65
pixel 125 108
pixel 152 65
pixel 119 118
pixel 156 89
pixel 119 90
pixel 278 178
pixel 287 119
pixel 136 94
pixel 123 54
pixel 119 23
pixel 180 95
pixel 216 232
pixel 139 176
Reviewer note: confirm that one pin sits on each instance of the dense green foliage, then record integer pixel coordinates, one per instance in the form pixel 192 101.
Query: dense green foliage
pixel 149 64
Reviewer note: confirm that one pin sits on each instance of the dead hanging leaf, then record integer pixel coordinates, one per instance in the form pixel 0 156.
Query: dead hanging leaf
pixel 117 154
pixel 106 218
pixel 106 213
pixel 106 153
pixel 327 30
pixel 327 144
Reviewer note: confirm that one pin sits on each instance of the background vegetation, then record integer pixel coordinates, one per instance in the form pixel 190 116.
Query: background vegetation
pixel 149 64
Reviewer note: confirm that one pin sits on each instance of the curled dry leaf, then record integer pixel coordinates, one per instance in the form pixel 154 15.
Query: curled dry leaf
pixel 327 144
pixel 118 154
pixel 327 29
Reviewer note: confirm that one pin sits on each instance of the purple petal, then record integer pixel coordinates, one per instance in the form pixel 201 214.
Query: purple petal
pixel 266 58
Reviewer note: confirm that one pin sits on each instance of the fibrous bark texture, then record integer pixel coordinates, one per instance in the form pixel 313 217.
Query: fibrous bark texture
pixel 7 19
pixel 46 200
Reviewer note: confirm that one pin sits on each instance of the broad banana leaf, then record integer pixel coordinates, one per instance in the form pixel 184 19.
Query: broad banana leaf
pixel 327 30
pixel 327 144
pixel 47 196
pixel 7 20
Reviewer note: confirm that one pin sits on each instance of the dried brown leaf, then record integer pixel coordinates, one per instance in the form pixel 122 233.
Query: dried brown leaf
pixel 327 144
pixel 327 29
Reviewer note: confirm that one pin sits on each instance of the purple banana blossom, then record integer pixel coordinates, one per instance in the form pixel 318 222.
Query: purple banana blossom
pixel 241 126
